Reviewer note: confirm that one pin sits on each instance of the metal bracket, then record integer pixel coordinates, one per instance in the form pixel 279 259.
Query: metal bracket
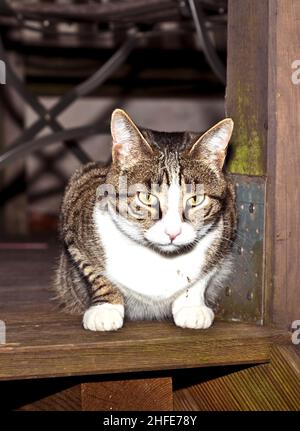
pixel 241 300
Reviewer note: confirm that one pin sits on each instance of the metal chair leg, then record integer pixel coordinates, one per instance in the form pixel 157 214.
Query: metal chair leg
pixel 48 117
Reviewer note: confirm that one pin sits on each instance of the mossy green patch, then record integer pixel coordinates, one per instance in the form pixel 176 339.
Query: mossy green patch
pixel 247 144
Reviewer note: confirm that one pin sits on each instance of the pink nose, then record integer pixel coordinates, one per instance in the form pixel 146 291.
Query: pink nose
pixel 173 232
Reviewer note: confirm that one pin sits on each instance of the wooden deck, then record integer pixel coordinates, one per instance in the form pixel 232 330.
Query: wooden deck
pixel 44 342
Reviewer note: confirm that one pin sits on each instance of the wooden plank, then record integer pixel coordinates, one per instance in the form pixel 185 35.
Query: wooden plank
pixel 283 187
pixel 147 394
pixel 50 349
pixel 247 84
pixel 44 342
pixel 273 386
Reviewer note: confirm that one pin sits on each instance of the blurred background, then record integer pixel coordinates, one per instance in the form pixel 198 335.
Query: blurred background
pixel 70 63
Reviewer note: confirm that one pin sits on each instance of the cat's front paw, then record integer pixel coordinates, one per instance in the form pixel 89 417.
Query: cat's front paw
pixel 194 317
pixel 104 317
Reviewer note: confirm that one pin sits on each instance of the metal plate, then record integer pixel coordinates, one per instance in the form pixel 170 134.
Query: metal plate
pixel 241 299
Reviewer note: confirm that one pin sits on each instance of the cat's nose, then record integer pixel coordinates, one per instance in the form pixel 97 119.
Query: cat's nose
pixel 173 232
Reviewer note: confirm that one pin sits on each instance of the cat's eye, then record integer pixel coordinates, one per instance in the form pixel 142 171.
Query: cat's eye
pixel 196 200
pixel 147 198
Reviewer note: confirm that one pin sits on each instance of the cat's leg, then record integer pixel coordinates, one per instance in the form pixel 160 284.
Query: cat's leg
pixel 189 309
pixel 106 310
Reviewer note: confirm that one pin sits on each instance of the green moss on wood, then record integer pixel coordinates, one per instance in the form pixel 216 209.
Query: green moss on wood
pixel 247 142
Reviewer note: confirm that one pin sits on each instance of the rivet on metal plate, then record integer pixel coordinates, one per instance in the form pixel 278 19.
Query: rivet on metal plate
pixel 243 290
pixel 251 208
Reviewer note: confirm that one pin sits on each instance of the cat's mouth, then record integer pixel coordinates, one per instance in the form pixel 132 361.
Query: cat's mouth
pixel 170 248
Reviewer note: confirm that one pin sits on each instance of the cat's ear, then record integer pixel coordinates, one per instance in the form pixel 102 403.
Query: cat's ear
pixel 213 144
pixel 129 145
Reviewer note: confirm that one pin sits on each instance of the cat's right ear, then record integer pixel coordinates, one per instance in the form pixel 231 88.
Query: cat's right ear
pixel 129 145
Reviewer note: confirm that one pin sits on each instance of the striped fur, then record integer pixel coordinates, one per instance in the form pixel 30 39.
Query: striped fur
pixel 84 279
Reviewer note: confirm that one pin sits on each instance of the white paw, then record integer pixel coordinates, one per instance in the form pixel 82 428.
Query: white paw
pixel 104 317
pixel 195 317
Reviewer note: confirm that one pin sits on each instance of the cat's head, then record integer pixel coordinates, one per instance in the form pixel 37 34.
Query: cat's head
pixel 170 187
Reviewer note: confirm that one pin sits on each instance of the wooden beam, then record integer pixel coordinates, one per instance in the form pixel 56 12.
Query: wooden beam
pixel 123 395
pixel 147 394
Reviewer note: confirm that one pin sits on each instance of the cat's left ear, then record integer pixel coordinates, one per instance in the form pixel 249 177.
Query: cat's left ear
pixel 213 144
pixel 129 145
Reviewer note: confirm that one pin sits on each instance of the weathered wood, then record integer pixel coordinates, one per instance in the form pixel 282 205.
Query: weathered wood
pixel 247 84
pixel 283 193
pixel 273 386
pixel 61 347
pixel 109 395
pixel 55 397
pixel 124 395
pixel 42 342
pixel 263 42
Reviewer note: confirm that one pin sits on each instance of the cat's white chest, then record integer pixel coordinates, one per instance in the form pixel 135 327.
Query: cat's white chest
pixel 143 270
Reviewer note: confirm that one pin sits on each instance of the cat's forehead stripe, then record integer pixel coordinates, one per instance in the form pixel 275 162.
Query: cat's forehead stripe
pixel 172 167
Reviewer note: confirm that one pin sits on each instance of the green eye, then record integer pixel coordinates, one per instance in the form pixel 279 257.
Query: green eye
pixel 196 200
pixel 147 198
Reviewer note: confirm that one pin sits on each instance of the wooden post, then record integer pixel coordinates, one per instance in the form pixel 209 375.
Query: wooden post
pixel 283 210
pixel 247 84
pixel 263 42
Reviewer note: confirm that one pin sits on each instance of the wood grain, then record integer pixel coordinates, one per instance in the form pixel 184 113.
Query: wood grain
pixel 63 399
pixel 147 394
pixel 283 191
pixel 43 342
pixel 128 395
pixel 247 85
pixel 273 386
pixel 263 42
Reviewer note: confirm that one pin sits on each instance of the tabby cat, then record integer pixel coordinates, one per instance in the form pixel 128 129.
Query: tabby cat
pixel 148 237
